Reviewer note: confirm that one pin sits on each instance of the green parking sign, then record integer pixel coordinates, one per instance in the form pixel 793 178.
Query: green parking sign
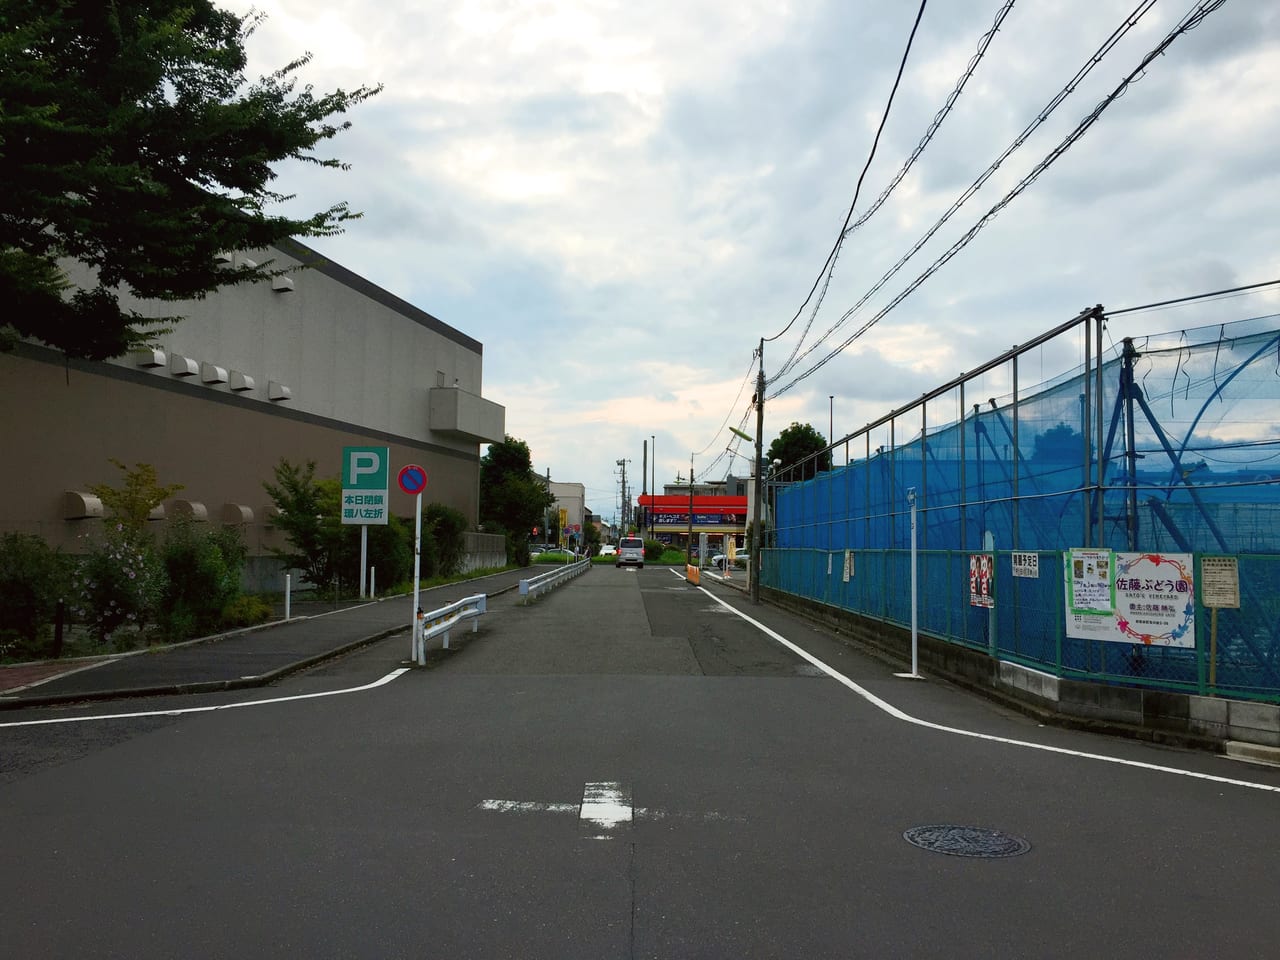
pixel 365 471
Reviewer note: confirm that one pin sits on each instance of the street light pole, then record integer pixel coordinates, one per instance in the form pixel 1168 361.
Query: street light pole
pixel 831 419
pixel 757 556
pixel 653 482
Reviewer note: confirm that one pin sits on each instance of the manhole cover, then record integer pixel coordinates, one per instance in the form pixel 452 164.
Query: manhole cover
pixel 958 841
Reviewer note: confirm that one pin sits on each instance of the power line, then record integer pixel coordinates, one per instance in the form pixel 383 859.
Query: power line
pixel 1194 297
pixel 897 178
pixel 1056 101
pixel 867 166
pixel 1189 22
pixel 725 422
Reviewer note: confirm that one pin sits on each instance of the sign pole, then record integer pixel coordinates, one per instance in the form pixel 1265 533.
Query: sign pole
pixel 415 653
pixel 413 480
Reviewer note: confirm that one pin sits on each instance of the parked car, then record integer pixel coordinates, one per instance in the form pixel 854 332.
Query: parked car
pixel 630 552
pixel 608 550
pixel 739 561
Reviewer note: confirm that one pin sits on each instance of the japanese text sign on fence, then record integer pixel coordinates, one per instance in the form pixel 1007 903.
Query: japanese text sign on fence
pixel 1152 597
pixel 364 484
pixel 1026 565
pixel 1220 582
pixel 982 588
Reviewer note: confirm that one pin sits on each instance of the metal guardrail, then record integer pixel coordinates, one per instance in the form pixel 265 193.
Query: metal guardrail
pixel 442 621
pixel 529 589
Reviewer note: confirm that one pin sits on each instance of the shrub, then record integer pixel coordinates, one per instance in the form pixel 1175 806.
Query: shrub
pixel 119 583
pixel 33 577
pixel 203 576
pixel 653 550
pixel 447 528
pixel 246 610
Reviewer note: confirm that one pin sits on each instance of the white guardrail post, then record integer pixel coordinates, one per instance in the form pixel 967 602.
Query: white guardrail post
pixel 529 589
pixel 442 621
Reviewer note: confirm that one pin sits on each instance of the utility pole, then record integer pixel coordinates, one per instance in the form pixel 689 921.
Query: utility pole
pixel 626 512
pixel 653 483
pixel 757 553
pixel 644 485
pixel 689 549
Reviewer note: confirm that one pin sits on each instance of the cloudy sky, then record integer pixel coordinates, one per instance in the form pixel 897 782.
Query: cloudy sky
pixel 619 200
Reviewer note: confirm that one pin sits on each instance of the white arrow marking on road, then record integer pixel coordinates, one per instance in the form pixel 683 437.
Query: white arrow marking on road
pixel 605 806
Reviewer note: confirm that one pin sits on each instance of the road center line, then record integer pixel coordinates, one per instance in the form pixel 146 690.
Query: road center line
pixel 900 715
pixel 222 706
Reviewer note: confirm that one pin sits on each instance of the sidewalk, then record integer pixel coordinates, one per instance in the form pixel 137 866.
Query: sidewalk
pixel 248 658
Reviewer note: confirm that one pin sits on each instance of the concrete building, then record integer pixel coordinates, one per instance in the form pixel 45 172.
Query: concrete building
pixel 569 511
pixel 295 368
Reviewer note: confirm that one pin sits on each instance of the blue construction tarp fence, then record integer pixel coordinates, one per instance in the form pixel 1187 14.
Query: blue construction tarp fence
pixel 1160 445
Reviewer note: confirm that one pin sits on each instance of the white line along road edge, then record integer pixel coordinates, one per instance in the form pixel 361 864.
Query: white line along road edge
pixel 899 715
pixel 222 706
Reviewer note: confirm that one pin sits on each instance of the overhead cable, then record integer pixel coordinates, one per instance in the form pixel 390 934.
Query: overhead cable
pixel 1056 101
pixel 736 399
pixel 884 118
pixel 902 172
pixel 1189 22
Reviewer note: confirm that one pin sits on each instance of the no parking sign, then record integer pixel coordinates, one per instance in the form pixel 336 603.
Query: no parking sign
pixel 412 479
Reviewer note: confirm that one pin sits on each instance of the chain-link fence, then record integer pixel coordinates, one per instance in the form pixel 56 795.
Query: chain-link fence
pixel 1170 446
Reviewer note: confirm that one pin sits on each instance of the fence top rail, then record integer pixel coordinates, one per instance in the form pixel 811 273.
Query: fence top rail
pixel 1085 315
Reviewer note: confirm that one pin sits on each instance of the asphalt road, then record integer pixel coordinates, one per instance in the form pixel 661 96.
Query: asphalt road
pixel 625 768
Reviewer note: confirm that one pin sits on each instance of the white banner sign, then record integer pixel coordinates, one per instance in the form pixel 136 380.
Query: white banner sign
pixel 1152 597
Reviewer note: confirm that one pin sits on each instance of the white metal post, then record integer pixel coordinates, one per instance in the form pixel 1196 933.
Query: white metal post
pixel 915 637
pixel 286 596
pixel 373 580
pixel 364 556
pixel 417 567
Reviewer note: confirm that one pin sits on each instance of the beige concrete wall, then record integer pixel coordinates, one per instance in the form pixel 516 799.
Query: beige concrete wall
pixel 60 424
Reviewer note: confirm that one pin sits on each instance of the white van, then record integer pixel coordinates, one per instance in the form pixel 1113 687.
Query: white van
pixel 630 551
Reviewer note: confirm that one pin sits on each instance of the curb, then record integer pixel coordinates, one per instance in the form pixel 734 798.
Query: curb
pixel 1252 752
pixel 202 686
pixel 214 686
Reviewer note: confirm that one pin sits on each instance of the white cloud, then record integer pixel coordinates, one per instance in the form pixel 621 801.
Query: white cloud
pixel 620 200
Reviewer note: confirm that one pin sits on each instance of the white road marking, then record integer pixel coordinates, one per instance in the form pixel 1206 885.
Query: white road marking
pixel 222 706
pixel 526 806
pixel 907 718
pixel 605 805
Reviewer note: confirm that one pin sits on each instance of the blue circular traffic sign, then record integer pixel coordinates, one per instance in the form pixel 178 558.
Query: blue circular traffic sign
pixel 412 479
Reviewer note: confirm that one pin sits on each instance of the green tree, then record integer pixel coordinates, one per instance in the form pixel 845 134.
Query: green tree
pixel 33 577
pixel 798 444
pixel 1059 444
pixel 513 500
pixel 445 528
pixel 132 141
pixel 590 539
pixel 302 501
pixel 131 504
pixel 203 576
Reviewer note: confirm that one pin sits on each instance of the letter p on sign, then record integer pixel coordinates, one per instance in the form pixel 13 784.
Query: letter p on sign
pixel 365 468
pixel 364 462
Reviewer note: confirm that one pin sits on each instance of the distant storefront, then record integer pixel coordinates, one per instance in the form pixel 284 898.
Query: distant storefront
pixel 717 516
